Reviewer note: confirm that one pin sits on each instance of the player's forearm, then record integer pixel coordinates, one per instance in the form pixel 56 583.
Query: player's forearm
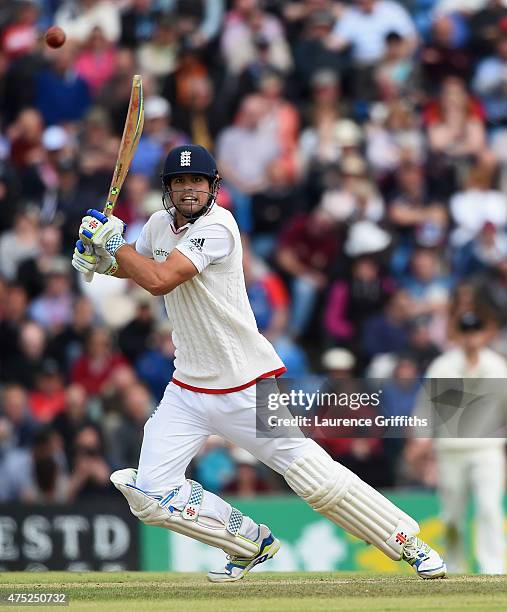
pixel 120 273
pixel 158 278
pixel 140 269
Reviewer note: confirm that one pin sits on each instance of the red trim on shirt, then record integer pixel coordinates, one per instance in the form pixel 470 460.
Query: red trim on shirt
pixel 179 229
pixel 276 373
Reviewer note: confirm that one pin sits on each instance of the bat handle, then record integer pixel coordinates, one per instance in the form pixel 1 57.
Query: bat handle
pixel 88 276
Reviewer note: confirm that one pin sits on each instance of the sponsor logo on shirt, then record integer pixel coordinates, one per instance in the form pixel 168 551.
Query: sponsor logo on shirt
pixel 161 252
pixel 198 242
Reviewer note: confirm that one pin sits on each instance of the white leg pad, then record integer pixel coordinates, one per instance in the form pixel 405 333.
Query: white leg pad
pixel 337 493
pixel 150 511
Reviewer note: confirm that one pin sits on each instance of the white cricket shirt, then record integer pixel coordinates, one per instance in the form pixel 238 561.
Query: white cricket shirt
pixel 218 346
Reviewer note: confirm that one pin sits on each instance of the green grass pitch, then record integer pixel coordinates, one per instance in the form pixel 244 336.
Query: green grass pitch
pixel 261 592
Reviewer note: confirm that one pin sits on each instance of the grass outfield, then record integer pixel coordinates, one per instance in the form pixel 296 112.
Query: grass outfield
pixel 261 592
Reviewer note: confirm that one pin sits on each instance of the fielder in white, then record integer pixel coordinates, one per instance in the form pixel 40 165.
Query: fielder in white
pixel 191 254
pixel 471 465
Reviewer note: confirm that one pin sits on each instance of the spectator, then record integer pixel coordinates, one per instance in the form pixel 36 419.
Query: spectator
pixel 283 117
pixel 90 476
pixel 311 53
pixel 15 464
pixel 53 308
pixel 247 482
pixel 387 332
pixel 70 421
pixel 126 437
pixel 395 72
pixel 271 208
pixel 96 365
pixel 48 398
pixel 478 204
pixel 25 364
pixel 115 94
pixel 248 81
pixel 444 56
pixel 202 118
pixel 421 349
pixel 18 243
pixel 60 93
pixel 428 288
pixel 25 135
pixel 270 304
pixel 455 133
pixel 156 364
pixel 133 338
pixel 486 250
pixel 364 28
pixel 393 137
pixel 67 345
pixel 13 317
pixel 201 29
pixel 214 465
pixel 132 208
pixel 246 175
pixel 15 408
pixel 20 36
pixel 78 18
pixel 158 55
pixel 138 23
pixel 352 300
pixel 415 218
pixel 354 197
pixel 242 24
pixel 327 138
pixel 490 83
pixel 485 26
pixel 96 63
pixel 306 252
pixel 32 271
pixel 50 483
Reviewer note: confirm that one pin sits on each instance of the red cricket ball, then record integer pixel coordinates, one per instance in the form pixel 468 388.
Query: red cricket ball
pixel 55 37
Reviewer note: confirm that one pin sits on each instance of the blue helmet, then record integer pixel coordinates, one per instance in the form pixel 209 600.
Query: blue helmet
pixel 190 159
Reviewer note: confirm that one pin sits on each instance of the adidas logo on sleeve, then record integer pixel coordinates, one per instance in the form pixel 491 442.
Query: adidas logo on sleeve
pixel 198 242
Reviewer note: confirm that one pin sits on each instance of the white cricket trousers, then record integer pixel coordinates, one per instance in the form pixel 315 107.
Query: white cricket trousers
pixel 180 426
pixel 482 473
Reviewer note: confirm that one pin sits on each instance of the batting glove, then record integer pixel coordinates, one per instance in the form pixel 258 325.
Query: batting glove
pixel 102 232
pixel 85 260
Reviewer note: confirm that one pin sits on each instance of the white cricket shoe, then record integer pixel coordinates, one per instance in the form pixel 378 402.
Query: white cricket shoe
pixel 427 562
pixel 238 567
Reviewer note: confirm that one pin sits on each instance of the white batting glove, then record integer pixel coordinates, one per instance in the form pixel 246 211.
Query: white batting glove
pixel 102 232
pixel 85 260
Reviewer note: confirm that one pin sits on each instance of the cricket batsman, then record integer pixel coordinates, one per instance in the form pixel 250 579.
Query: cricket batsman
pixel 191 253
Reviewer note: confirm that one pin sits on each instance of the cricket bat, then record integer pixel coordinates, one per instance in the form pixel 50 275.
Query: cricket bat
pixel 129 141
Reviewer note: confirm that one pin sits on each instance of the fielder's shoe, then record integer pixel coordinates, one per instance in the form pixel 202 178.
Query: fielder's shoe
pixel 427 562
pixel 237 567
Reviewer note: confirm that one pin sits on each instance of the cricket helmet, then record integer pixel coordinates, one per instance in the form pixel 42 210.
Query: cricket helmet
pixel 189 159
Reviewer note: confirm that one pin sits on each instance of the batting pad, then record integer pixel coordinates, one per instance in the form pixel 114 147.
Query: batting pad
pixel 159 513
pixel 337 493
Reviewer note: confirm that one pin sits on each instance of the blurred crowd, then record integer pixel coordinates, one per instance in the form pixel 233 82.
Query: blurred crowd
pixel 362 146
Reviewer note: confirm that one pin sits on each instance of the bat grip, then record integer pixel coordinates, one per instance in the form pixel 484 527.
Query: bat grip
pixel 88 276
pixel 108 211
